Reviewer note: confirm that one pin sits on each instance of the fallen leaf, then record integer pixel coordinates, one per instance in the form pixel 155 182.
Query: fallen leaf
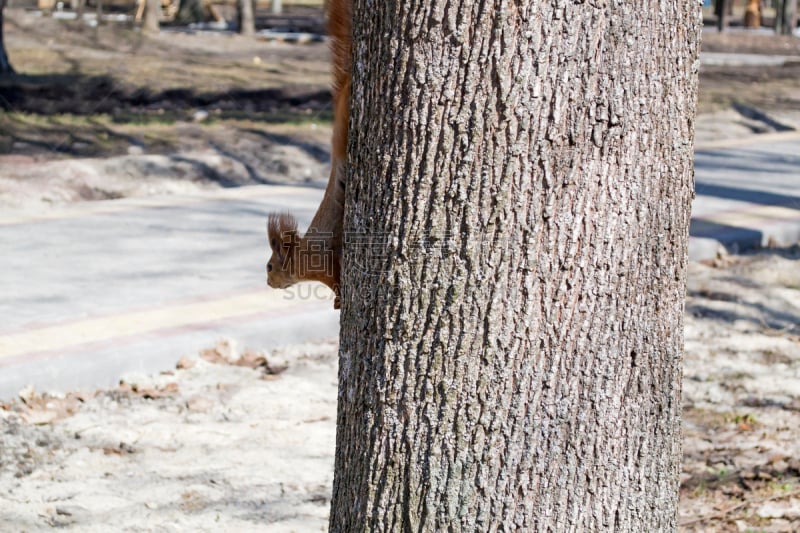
pixel 122 449
pixel 27 394
pixel 185 363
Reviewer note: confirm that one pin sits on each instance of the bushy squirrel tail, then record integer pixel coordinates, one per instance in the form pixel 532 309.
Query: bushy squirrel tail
pixel 340 31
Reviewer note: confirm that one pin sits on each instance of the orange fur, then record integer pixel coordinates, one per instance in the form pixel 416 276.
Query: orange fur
pixel 752 14
pixel 317 255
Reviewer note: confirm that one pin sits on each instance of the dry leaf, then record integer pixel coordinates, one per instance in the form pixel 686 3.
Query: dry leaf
pixel 185 363
pixel 122 449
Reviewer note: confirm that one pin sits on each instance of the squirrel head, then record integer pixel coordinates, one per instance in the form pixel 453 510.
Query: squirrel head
pixel 284 241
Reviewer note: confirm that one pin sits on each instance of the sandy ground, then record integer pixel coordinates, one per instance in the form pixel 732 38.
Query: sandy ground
pixel 741 464
pixel 239 440
pixel 286 154
pixel 209 447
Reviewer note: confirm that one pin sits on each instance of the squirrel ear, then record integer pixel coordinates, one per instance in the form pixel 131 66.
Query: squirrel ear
pixel 282 231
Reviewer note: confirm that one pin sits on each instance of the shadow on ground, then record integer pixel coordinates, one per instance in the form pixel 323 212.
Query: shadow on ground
pixel 78 94
pixel 73 115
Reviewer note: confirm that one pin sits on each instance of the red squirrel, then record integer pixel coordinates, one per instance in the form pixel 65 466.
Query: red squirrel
pixel 316 256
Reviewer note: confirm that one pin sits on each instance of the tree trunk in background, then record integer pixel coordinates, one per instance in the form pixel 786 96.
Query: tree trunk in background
pixel 190 11
pixel 277 7
pixel 152 13
pixel 5 64
pixel 722 10
pixel 519 186
pixel 786 16
pixel 247 25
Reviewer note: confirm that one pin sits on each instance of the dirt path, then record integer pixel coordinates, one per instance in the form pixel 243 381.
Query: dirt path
pixel 210 447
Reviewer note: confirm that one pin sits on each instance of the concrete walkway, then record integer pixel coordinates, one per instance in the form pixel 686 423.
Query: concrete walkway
pixel 96 290
pixel 726 59
pixel 748 195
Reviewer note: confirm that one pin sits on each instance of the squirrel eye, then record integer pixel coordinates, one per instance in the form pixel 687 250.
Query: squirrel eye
pixel 272 243
pixel 269 267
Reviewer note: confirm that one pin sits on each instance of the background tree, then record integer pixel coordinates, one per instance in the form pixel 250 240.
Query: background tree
pixel 722 9
pixel 5 64
pixel 519 185
pixel 786 16
pixel 197 11
pixel 247 25
pixel 80 7
pixel 152 14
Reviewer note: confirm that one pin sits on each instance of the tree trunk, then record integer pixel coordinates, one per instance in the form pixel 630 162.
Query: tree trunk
pixel 277 7
pixel 152 13
pixel 5 64
pixel 786 17
pixel 722 10
pixel 247 25
pixel 190 11
pixel 519 183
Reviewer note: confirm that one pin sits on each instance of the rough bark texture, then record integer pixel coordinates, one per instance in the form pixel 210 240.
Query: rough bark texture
pixel 247 24
pixel 5 65
pixel 517 212
pixel 152 13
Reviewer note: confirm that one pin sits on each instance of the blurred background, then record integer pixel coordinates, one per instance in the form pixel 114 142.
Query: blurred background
pixel 200 99
pixel 223 110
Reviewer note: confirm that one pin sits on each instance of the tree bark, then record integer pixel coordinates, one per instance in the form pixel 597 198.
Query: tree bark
pixel 152 13
pixel 5 64
pixel 247 25
pixel 519 182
